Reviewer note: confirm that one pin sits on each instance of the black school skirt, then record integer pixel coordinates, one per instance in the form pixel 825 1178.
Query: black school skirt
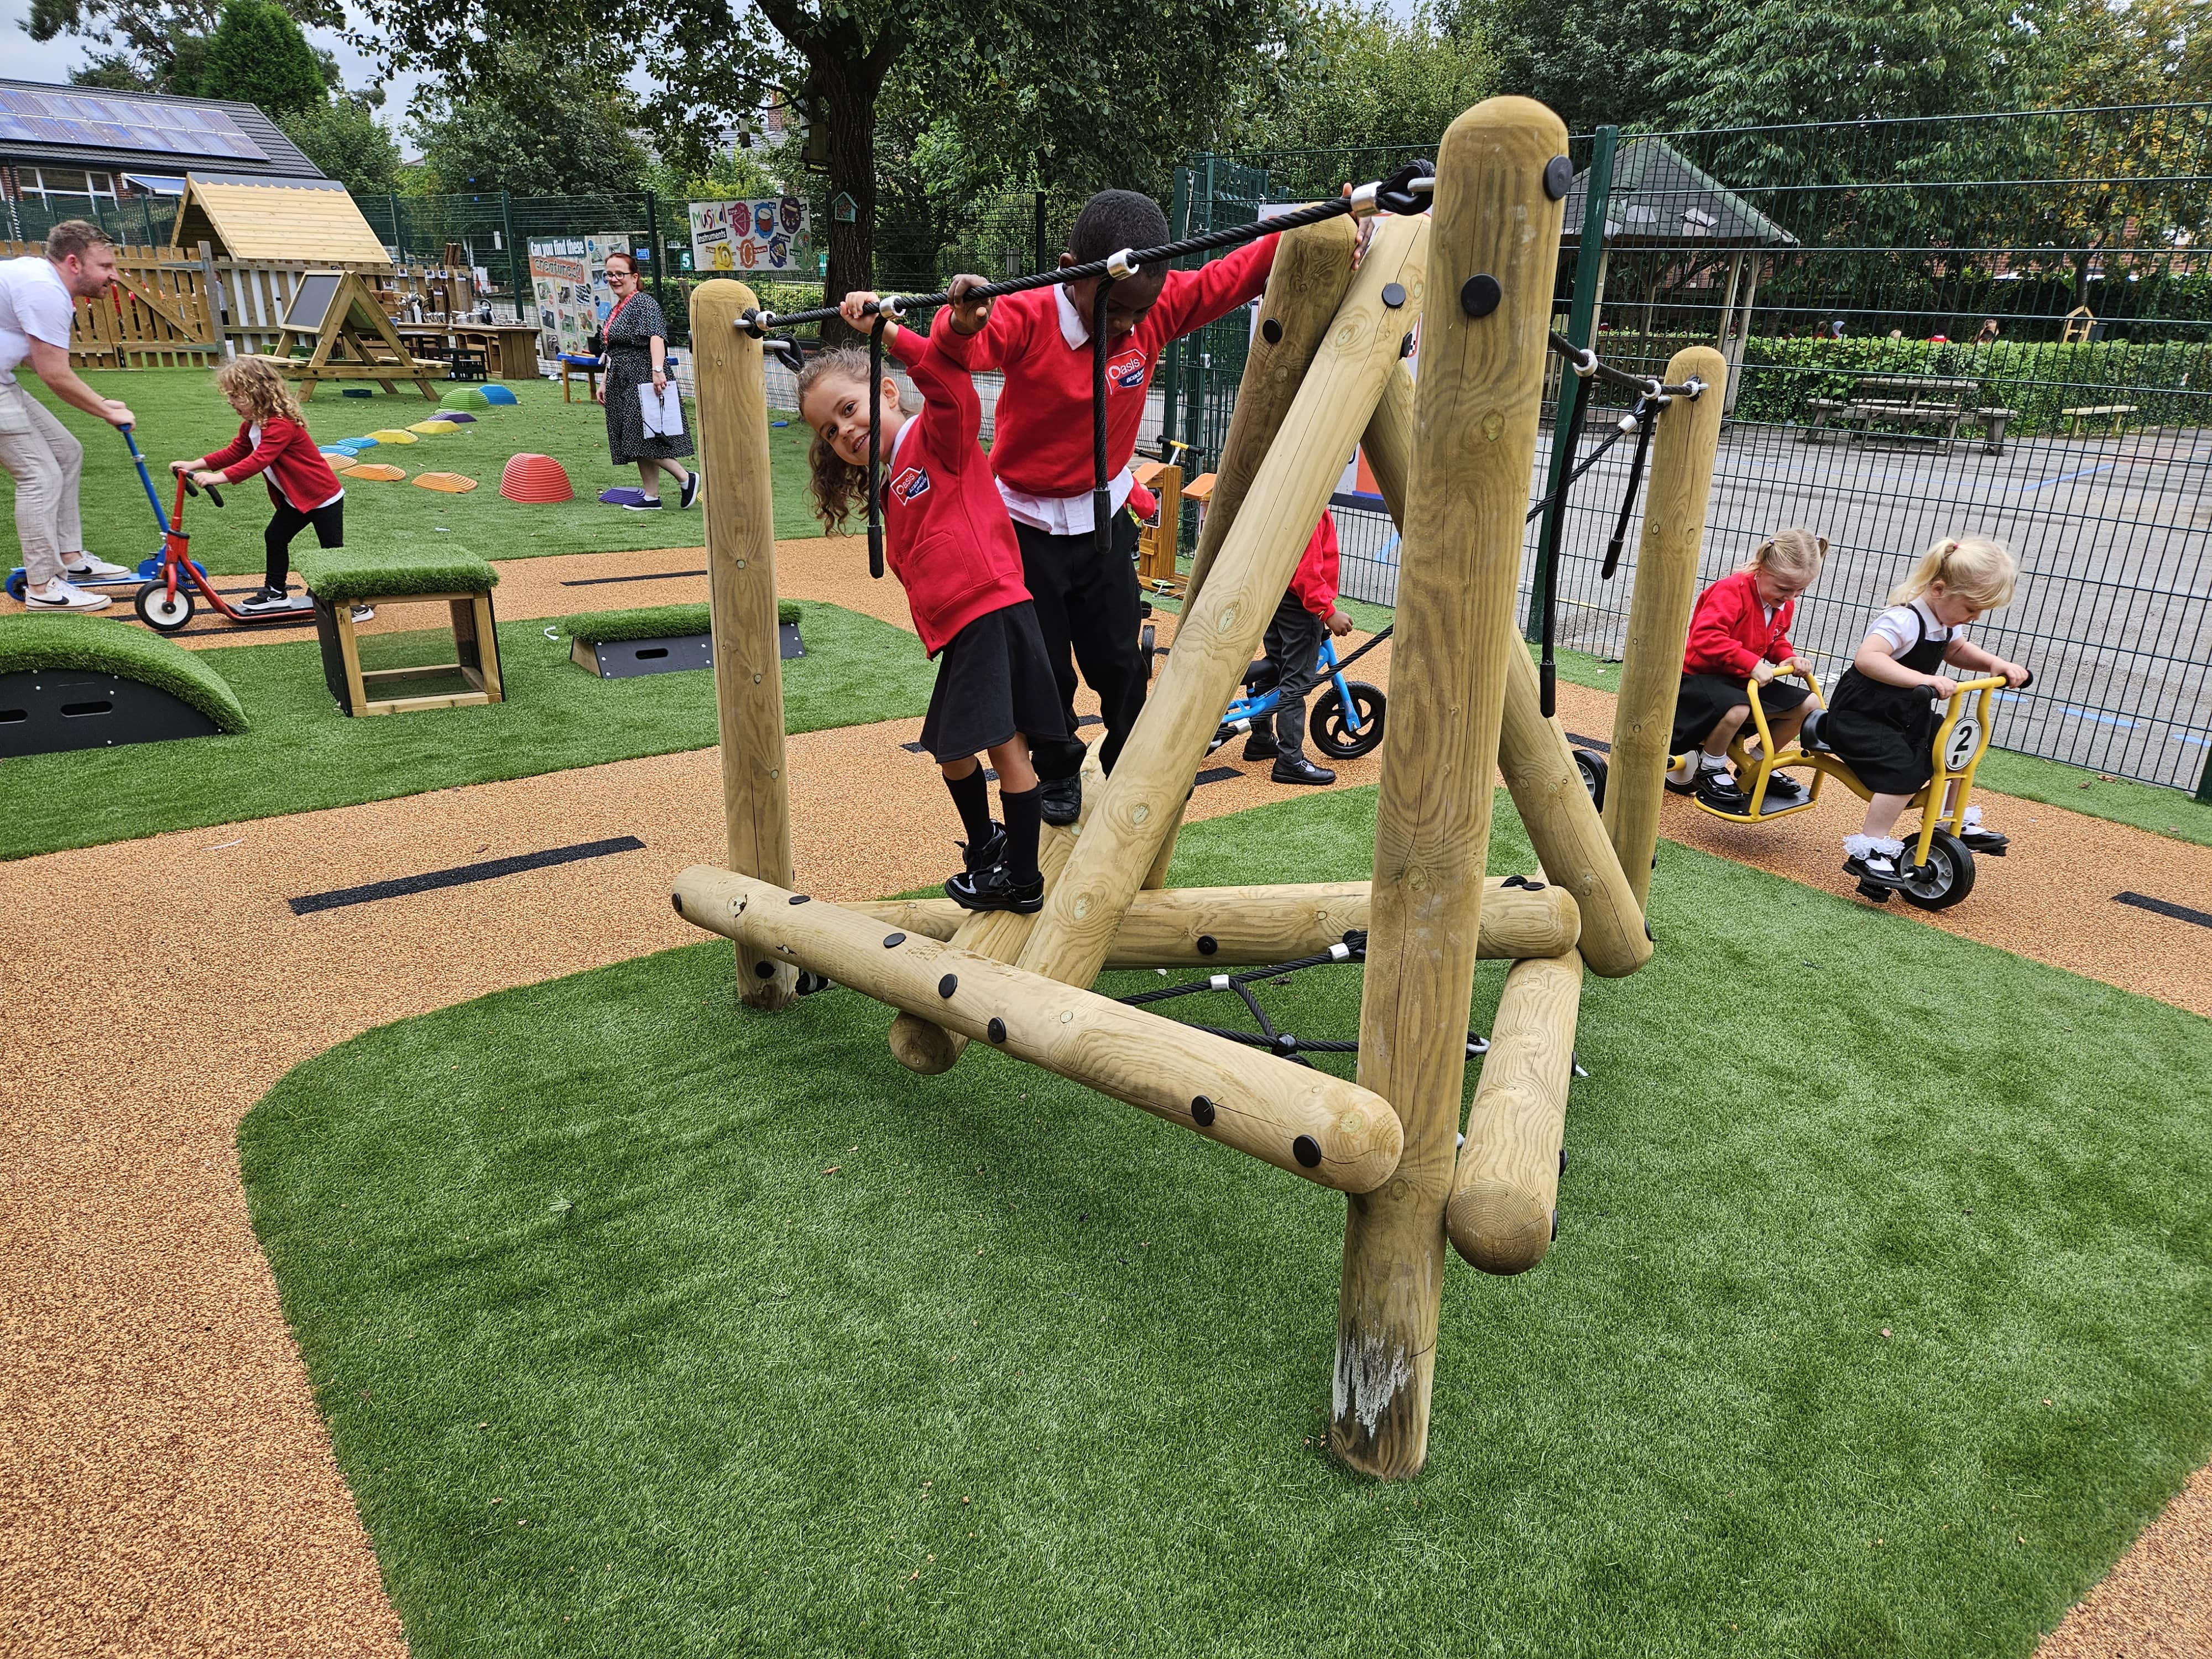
pixel 1704 698
pixel 1885 733
pixel 993 679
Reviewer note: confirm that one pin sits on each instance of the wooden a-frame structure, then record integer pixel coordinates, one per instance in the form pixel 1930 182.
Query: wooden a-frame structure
pixel 349 339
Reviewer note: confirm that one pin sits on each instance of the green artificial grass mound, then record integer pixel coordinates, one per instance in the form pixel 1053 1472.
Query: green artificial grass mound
pixel 341 573
pixel 654 622
pixel 34 642
pixel 643 1323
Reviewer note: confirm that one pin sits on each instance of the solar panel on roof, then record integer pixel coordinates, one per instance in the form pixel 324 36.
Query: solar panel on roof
pixel 115 122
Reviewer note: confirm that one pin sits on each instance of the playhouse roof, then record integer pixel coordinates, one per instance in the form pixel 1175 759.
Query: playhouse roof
pixel 1659 199
pixel 249 217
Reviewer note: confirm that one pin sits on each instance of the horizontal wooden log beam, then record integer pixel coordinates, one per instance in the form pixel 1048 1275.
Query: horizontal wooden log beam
pixel 1505 1189
pixel 1307 1123
pixel 1244 926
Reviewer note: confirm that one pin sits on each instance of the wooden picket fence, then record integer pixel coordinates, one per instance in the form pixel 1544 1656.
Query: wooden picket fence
pixel 158 315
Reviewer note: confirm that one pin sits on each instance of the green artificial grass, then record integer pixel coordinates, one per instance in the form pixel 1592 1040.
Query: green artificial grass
pixel 181 414
pixel 2146 806
pixel 303 754
pixel 654 622
pixel 644 1323
pixel 392 571
pixel 30 643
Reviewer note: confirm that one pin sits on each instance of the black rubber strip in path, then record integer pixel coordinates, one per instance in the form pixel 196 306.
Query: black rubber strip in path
pixel 2163 907
pixel 1215 774
pixel 1603 748
pixel 462 874
pixel 649 577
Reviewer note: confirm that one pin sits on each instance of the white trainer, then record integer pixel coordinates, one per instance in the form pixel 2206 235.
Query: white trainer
pixel 58 595
pixel 95 570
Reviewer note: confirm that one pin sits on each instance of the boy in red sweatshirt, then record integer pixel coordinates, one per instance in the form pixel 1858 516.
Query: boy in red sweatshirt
pixel 272 440
pixel 1307 612
pixel 1040 454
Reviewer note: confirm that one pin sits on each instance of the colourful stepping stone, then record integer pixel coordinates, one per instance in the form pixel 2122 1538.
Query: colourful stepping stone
pixel 375 472
pixel 448 483
pixel 497 394
pixel 460 419
pixel 393 436
pixel 433 429
pixel 469 397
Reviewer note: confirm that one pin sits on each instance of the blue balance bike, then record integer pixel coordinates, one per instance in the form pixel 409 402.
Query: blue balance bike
pixel 1346 721
pixel 148 567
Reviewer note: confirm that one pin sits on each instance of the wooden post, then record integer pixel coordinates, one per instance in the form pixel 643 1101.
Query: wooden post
pixel 1683 444
pixel 1317 1127
pixel 1494 254
pixel 211 292
pixel 1241 927
pixel 1533 752
pixel 733 411
pixel 1221 629
pixel 1306 288
pixel 1504 1195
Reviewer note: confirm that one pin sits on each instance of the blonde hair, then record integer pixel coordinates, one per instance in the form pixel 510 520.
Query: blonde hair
pixel 260 388
pixel 1977 569
pixel 1794 555
pixel 840 488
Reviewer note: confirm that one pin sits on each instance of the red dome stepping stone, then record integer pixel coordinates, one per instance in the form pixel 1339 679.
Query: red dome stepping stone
pixel 534 479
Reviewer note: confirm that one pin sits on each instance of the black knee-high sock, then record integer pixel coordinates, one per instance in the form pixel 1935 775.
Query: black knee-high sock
pixel 1024 822
pixel 972 795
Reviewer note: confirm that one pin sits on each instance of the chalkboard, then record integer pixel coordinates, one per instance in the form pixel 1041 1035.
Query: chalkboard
pixel 317 288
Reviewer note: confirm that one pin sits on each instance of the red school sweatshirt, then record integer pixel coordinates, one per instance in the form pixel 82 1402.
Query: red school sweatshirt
pixel 946 536
pixel 294 468
pixel 1314 580
pixel 1729 632
pixel 1042 442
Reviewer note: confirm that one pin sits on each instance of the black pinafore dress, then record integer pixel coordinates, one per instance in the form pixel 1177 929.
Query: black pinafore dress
pixel 1887 733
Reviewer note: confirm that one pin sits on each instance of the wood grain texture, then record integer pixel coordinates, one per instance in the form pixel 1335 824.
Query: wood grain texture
pixel 931 1049
pixel 1314 1126
pixel 1221 630
pixel 1506 1189
pixel 1244 926
pixel 1683 444
pixel 1474 439
pixel 740 510
pixel 1533 752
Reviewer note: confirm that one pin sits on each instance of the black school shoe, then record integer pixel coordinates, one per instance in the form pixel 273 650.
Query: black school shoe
pixel 1991 841
pixel 1059 801
pixel 995 889
pixel 1296 769
pixel 1718 790
pixel 1877 870
pixel 983 857
pixel 1260 746
pixel 1782 790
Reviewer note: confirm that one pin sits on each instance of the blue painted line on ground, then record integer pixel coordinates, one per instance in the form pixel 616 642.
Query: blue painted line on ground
pixel 2086 472
pixel 2101 719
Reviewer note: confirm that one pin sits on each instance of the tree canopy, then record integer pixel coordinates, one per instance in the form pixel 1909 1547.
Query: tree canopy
pixel 538 125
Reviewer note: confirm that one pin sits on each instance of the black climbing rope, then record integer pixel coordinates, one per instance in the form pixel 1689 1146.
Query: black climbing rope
pixel 1102 532
pixel 1645 415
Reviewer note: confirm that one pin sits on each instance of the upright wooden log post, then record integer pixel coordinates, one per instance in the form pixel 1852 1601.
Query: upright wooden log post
pixel 1501 172
pixel 1505 1191
pixel 1683 445
pixel 1220 631
pixel 732 409
pixel 1305 287
pixel 1533 752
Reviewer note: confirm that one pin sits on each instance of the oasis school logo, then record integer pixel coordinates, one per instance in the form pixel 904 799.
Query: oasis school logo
pixel 1126 373
pixel 911 484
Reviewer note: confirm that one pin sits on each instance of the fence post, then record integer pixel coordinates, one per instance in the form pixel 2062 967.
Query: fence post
pixel 660 253
pixel 1588 254
pixel 1171 380
pixel 1036 233
pixel 398 235
pixel 2204 783
pixel 211 294
pixel 513 270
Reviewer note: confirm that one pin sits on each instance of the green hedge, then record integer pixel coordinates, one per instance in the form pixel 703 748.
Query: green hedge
pixel 32 643
pixel 654 622
pixel 338 574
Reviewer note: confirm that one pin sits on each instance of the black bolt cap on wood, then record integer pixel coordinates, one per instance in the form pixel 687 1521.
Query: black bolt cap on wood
pixel 1479 295
pixel 677 899
pixel 1208 944
pixel 894 941
pixel 798 898
pixel 947 985
pixel 1394 295
pixel 1558 177
pixel 1306 1150
pixel 1201 1111
pixel 763 970
pixel 996 1030
pixel 1272 332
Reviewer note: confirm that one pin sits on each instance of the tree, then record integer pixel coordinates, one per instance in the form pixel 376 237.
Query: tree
pixel 150 46
pixel 538 126
pixel 259 56
pixel 1594 62
pixel 1085 89
pixel 343 137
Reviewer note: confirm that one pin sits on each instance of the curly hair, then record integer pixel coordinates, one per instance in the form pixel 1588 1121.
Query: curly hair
pixel 259 389
pixel 839 488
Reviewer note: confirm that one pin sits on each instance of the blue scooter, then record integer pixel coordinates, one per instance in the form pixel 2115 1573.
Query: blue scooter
pixel 1346 721
pixel 148 567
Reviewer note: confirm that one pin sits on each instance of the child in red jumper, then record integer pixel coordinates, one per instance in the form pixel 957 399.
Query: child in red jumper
pixel 947 540
pixel 1041 450
pixel 1740 631
pixel 1306 612
pixel 272 440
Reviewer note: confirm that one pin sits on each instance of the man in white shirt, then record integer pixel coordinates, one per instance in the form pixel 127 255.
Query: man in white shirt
pixel 38 303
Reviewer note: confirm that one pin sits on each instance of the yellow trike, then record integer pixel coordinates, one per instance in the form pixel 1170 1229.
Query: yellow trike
pixel 1937 865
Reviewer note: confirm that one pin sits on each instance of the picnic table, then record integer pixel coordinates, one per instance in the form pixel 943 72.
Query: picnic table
pixel 1943 402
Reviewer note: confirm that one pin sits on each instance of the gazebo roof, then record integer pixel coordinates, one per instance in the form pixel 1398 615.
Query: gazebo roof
pixel 1660 200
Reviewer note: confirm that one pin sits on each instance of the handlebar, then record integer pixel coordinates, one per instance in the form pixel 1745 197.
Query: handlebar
pixel 191 488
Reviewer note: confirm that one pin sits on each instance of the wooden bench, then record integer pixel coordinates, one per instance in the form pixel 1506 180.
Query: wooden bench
pixel 1941 401
pixel 2073 417
pixel 340 578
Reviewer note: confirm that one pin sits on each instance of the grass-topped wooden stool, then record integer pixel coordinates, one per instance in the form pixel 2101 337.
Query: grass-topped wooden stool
pixel 340 578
